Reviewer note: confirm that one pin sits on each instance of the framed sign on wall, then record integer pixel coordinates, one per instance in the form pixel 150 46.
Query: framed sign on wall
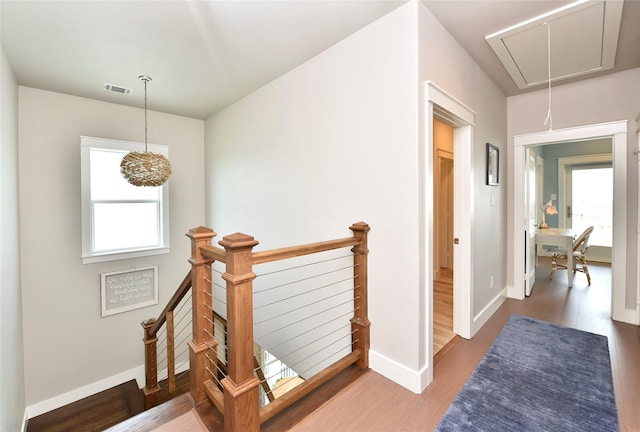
pixel 126 290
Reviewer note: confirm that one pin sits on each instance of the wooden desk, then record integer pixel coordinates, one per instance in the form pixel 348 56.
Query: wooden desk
pixel 562 238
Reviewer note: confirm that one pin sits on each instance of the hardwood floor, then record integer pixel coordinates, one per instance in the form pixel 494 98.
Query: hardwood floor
pixel 366 401
pixel 94 413
pixel 442 310
pixel 103 410
pixel 374 403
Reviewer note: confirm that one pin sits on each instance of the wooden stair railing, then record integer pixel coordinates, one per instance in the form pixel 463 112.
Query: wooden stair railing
pixel 151 327
pixel 238 399
pixel 237 396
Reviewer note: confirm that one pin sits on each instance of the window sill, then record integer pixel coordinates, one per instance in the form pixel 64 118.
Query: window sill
pixel 124 255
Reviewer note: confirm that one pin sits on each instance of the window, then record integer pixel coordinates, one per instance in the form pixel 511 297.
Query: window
pixel 120 220
pixel 591 202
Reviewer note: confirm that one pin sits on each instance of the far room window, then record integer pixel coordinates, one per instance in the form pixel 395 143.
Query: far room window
pixel 120 220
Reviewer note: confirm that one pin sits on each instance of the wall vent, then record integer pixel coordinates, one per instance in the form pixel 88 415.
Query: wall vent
pixel 117 89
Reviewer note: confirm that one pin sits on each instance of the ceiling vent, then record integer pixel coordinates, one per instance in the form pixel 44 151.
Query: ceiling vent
pixel 117 89
pixel 582 38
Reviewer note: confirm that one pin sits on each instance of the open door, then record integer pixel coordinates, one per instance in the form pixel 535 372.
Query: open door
pixel 530 213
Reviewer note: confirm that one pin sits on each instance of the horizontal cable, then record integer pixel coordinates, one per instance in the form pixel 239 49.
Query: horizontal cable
pixel 215 363
pixel 307 305
pixel 185 349
pixel 308 331
pixel 284 356
pixel 185 301
pixel 213 376
pixel 316 352
pixel 217 300
pixel 329 356
pixel 304 319
pixel 303 292
pixel 303 265
pixel 313 354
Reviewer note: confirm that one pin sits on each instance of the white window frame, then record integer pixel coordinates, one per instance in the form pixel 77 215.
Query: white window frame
pixel 88 255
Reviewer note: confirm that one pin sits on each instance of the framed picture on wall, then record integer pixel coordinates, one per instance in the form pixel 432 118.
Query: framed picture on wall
pixel 130 289
pixel 493 165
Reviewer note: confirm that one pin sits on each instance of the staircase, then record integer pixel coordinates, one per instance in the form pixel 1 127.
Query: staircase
pixel 258 331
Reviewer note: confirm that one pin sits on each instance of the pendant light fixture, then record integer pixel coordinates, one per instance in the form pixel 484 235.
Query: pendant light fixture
pixel 145 168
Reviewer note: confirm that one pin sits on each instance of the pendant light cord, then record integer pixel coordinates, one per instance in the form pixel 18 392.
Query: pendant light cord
pixel 145 116
pixel 549 120
pixel 145 79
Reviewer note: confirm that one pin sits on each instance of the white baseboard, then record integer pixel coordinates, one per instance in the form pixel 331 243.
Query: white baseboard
pixel 481 318
pixel 630 316
pixel 415 381
pixel 25 419
pixel 88 390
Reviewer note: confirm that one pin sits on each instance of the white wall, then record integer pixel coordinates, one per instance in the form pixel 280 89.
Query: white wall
pixel 338 140
pixel 70 351
pixel 12 395
pixel 447 65
pixel 602 99
pixel 330 143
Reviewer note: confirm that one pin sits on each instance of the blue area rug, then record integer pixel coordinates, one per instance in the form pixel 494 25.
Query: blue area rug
pixel 538 376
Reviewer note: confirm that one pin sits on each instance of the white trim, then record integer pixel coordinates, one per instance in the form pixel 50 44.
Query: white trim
pixel 90 256
pixel 25 420
pixel 637 321
pixel 440 104
pixel 618 132
pixel 439 97
pixel 415 381
pixel 80 393
pixel 483 316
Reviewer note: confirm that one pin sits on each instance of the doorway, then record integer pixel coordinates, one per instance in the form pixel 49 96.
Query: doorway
pixel 443 217
pixel 439 105
pixel 617 132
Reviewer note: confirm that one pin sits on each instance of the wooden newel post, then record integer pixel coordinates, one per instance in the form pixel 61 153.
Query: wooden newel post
pixel 241 408
pixel 360 324
pixel 202 322
pixel 151 388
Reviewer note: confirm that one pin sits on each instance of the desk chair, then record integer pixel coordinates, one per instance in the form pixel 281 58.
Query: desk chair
pixel 580 246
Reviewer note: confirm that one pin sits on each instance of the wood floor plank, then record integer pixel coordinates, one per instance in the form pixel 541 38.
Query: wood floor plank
pixel 374 403
pixel 94 413
pixel 443 310
pixel 157 416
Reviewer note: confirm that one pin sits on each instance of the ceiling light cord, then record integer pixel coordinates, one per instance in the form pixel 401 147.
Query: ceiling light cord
pixel 549 120
pixel 145 79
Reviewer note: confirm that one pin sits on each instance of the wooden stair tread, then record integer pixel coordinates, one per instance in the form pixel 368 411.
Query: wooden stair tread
pixel 156 416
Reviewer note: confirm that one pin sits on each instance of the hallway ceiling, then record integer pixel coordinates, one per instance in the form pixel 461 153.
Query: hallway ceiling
pixel 205 55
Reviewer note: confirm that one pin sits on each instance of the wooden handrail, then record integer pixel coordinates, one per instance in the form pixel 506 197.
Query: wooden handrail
pixel 177 297
pixel 219 254
pixel 214 253
pixel 295 251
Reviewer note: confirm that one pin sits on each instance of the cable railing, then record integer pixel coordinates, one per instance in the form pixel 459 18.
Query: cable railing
pixel 268 327
pixel 166 346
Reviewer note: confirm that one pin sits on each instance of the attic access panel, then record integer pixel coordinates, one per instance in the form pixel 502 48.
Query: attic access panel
pixel 583 39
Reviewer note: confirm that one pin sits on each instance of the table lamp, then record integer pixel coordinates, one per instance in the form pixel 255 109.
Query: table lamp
pixel 548 209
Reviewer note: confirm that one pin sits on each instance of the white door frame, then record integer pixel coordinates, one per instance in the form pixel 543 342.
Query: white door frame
pixel 446 108
pixel 618 132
